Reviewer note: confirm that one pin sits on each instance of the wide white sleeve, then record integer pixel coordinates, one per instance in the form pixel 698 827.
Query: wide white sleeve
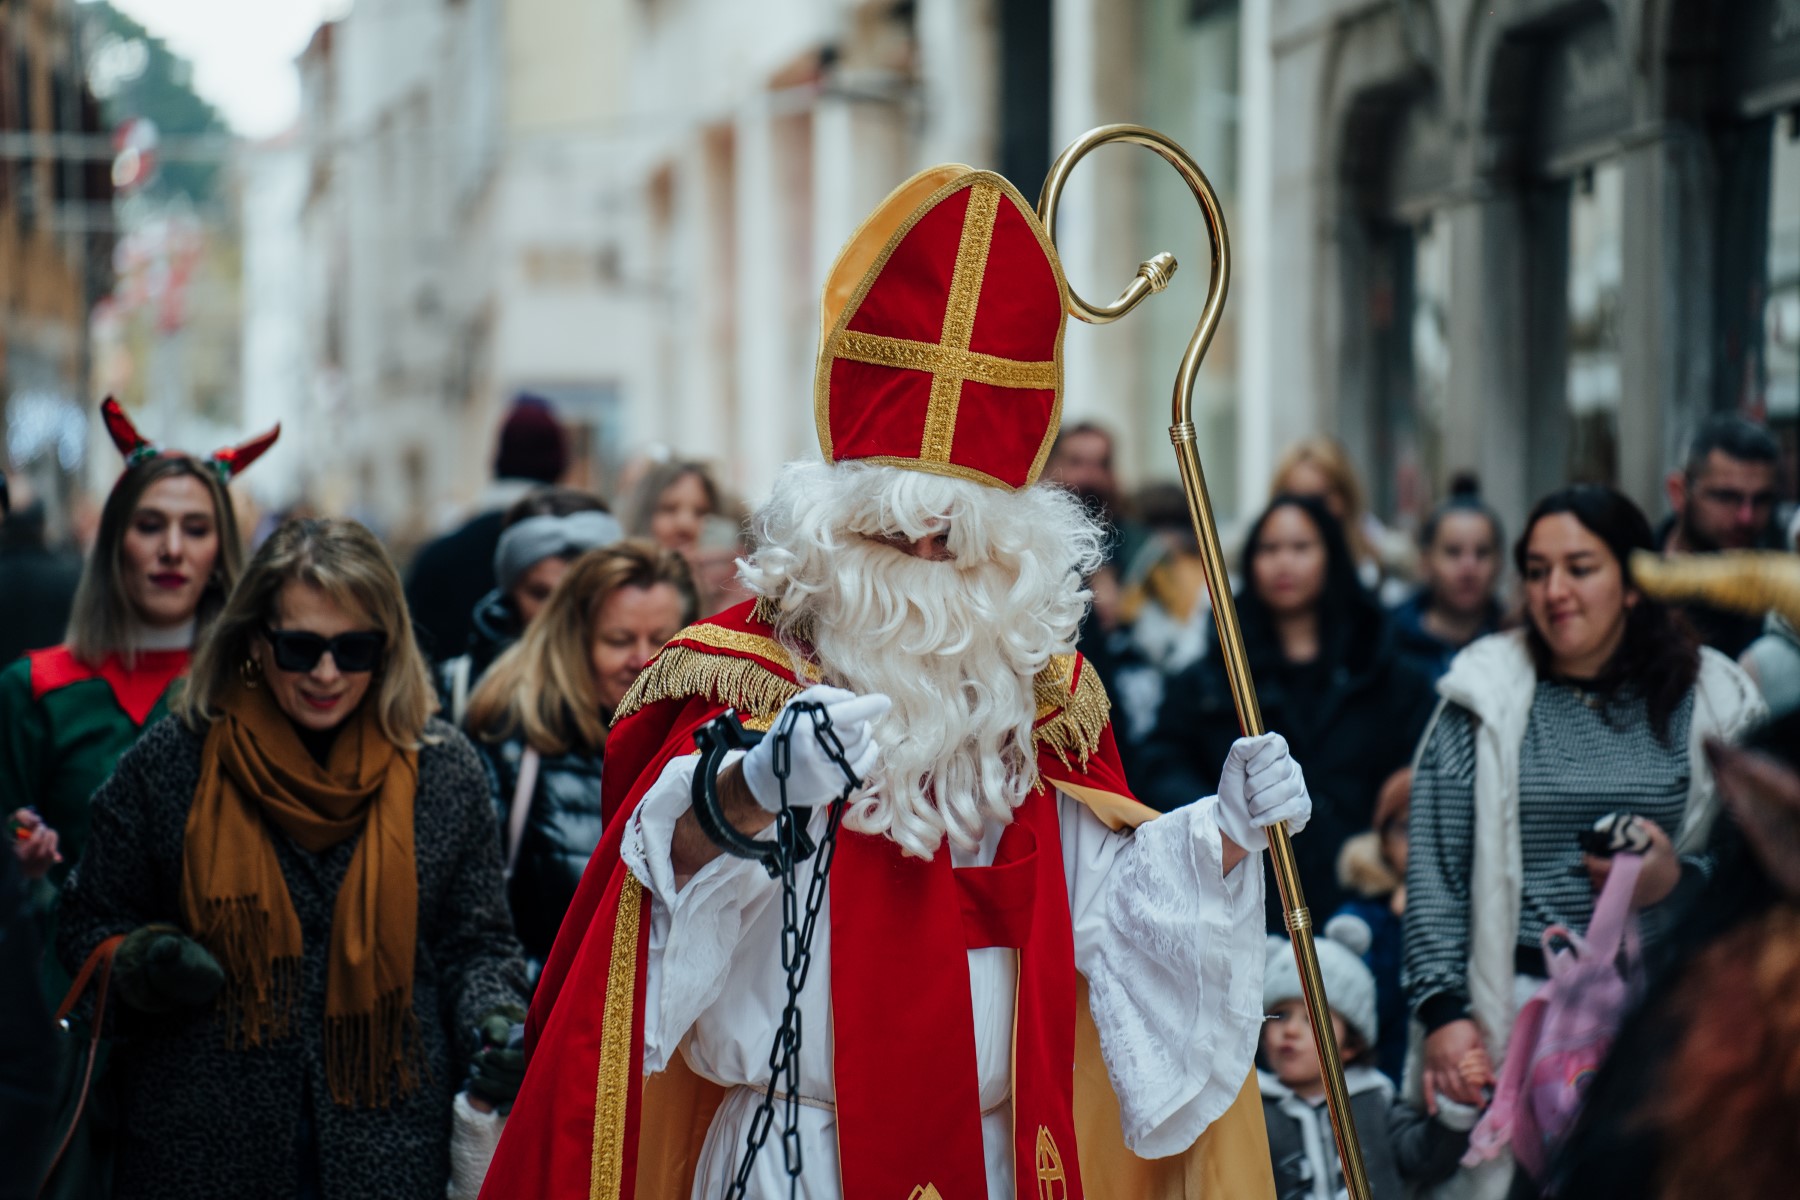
pixel 693 928
pixel 1173 953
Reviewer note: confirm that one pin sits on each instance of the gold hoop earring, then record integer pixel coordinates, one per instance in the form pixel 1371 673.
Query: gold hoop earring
pixel 251 672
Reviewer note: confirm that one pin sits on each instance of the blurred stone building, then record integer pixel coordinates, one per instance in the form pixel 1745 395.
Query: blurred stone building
pixel 1529 238
pixel 55 248
pixel 450 185
pixel 1537 239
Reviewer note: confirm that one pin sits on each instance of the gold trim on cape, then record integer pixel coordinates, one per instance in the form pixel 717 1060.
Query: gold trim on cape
pixel 685 668
pixel 612 1083
pixel 1072 712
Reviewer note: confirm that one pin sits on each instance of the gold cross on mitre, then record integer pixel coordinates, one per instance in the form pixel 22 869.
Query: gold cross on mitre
pixel 941 338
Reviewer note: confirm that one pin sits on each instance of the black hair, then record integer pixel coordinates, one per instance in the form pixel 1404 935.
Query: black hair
pixel 1339 604
pixel 1732 436
pixel 1659 656
pixel 1084 427
pixel 552 500
pixel 1469 504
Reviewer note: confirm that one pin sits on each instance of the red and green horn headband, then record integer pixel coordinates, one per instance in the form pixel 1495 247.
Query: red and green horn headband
pixel 229 462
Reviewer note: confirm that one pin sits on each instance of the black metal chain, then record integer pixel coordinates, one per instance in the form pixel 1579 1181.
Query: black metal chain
pixel 797 928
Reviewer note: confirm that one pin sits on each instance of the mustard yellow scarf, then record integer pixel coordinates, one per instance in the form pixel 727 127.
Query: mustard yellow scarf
pixel 256 775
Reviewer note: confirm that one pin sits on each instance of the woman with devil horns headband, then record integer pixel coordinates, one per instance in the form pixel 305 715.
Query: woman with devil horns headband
pixel 167 555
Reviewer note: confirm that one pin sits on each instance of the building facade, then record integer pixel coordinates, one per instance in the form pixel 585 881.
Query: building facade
pixel 1537 239
pixel 55 255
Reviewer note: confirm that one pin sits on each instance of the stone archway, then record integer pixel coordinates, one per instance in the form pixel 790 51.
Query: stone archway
pixel 1379 73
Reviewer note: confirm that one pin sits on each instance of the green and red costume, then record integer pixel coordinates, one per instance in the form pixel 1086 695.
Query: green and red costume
pixel 63 725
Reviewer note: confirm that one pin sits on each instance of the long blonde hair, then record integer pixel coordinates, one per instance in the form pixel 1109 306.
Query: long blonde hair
pixel 345 561
pixel 101 617
pixel 1327 457
pixel 543 685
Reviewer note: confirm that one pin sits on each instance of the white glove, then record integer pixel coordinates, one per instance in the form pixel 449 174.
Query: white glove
pixel 813 777
pixel 1260 785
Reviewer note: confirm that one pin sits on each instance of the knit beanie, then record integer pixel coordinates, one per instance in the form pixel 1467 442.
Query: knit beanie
pixel 1349 987
pixel 532 442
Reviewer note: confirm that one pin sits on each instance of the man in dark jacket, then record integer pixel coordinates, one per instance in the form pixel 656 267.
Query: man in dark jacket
pixel 451 574
pixel 1081 460
pixel 1723 497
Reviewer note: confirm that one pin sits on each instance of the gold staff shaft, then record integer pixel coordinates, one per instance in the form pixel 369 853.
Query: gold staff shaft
pixel 1152 277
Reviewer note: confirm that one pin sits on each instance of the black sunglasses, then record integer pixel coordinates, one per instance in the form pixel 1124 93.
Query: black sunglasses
pixel 297 650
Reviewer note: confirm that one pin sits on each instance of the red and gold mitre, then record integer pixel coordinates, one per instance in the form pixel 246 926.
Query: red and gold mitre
pixel 942 334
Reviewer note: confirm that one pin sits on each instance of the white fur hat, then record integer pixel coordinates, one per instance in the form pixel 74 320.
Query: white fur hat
pixel 1349 987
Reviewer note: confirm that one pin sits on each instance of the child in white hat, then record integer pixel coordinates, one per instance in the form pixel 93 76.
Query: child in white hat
pixel 1401 1145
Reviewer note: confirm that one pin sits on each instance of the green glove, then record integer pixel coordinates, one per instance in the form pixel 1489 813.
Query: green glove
pixel 159 969
pixel 498 1066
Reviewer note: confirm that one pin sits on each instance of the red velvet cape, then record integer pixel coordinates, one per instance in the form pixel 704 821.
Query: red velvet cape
pixel 588 1122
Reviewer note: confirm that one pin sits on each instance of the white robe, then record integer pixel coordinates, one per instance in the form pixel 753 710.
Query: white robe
pixel 1172 951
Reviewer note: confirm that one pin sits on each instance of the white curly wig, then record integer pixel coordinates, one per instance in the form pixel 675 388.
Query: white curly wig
pixel 956 643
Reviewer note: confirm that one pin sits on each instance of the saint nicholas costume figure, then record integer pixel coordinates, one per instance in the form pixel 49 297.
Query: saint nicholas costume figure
pixel 1023 987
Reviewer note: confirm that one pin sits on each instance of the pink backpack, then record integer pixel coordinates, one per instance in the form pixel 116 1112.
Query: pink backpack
pixel 1563 1032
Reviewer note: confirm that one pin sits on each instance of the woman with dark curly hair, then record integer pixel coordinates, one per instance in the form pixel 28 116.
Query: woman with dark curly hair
pixel 1598 705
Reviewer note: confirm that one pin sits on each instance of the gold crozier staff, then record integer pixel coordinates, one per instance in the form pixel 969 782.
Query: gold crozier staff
pixel 1152 277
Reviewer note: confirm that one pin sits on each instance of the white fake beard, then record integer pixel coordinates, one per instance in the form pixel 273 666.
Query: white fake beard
pixel 956 644
pixel 925 633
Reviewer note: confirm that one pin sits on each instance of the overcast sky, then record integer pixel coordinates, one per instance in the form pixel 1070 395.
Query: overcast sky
pixel 242 50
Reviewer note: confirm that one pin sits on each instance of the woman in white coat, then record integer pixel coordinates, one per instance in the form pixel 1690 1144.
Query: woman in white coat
pixel 1599 704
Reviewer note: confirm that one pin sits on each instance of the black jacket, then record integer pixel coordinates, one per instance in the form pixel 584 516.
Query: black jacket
pixel 201 1120
pixel 37 588
pixel 1422 648
pixel 560 834
pixel 493 628
pixel 449 577
pixel 27 1044
pixel 1401 1146
pixel 1351 718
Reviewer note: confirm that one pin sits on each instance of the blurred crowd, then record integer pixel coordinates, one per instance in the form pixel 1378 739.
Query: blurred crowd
pixel 1479 742
pixel 411 763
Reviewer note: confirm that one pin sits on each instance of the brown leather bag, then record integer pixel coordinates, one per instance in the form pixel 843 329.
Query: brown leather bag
pixel 97 970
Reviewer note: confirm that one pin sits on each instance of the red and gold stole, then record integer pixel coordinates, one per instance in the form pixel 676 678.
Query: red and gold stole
pixel 909 1113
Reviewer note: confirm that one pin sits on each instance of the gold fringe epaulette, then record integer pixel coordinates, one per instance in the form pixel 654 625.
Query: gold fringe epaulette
pixel 1072 709
pixel 690 665
pixel 1072 712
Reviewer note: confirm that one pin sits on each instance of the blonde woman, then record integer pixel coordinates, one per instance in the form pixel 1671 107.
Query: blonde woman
pixel 1318 466
pixel 539 718
pixel 304 868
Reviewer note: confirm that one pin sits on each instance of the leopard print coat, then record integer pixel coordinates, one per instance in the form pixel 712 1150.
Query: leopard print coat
pixel 197 1120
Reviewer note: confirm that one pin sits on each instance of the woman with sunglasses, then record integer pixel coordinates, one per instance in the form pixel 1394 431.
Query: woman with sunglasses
pixel 304 866
pixel 539 718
